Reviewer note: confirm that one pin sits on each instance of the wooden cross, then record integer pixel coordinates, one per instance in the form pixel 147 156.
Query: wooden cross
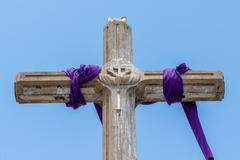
pixel 119 88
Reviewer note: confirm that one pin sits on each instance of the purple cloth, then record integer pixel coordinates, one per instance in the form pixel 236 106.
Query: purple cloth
pixel 173 92
pixel 79 76
pixel 190 109
pixel 99 111
pixel 173 84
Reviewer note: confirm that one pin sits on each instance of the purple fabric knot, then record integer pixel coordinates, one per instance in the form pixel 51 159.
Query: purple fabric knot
pixel 173 92
pixel 182 68
pixel 79 76
pixel 173 84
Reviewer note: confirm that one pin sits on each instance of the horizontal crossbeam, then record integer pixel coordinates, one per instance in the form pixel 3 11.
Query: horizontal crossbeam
pixel 198 86
pixel 51 87
pixel 46 87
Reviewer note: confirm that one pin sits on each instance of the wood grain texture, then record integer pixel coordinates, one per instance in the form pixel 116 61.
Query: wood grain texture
pixel 119 78
pixel 118 89
pixel 198 86
pixel 51 87
pixel 54 87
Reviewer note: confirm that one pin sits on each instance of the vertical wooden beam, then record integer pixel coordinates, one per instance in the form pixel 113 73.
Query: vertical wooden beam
pixel 119 124
pixel 117 40
pixel 119 78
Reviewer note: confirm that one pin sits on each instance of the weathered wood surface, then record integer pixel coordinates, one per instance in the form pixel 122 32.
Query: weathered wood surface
pixel 119 88
pixel 198 86
pixel 119 78
pixel 46 87
pixel 51 87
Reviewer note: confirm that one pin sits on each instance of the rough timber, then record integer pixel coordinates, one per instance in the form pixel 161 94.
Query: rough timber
pixel 119 88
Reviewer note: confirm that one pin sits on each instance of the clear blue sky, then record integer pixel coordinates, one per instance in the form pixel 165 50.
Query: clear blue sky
pixel 51 35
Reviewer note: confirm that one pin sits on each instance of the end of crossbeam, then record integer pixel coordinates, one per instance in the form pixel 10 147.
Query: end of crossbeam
pixel 198 86
pixel 51 87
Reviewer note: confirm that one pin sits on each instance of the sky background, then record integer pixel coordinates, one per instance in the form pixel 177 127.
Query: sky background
pixel 52 35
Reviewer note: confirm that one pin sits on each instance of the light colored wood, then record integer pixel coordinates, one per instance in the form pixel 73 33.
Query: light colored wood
pixel 119 88
pixel 119 137
pixel 198 86
pixel 54 87
pixel 119 78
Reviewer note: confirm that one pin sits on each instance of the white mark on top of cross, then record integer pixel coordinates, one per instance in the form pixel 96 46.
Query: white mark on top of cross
pixel 122 19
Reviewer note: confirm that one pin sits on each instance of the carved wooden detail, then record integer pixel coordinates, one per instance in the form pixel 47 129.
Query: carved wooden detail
pixel 54 87
pixel 118 76
pixel 119 72
pixel 119 88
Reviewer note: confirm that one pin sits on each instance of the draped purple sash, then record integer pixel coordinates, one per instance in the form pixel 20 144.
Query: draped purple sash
pixel 79 76
pixel 172 90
